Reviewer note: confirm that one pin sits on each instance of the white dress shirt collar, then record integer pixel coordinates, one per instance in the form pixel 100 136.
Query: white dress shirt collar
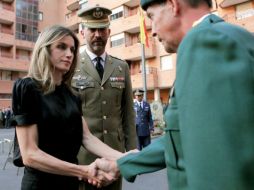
pixel 140 103
pixel 93 56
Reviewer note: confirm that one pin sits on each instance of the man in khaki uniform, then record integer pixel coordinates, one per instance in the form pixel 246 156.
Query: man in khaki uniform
pixel 104 87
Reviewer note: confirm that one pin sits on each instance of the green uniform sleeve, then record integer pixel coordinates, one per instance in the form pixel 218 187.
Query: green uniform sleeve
pixel 150 159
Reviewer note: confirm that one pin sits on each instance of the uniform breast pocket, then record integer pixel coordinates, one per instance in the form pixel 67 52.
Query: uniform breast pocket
pixel 81 87
pixel 174 155
pixel 117 90
pixel 146 109
pixel 118 85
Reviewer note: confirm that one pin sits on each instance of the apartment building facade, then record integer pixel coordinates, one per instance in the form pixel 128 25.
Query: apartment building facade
pixel 22 20
pixel 20 24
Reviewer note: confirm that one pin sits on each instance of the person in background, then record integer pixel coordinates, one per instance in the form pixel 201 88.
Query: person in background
pixel 8 116
pixel 1 118
pixel 209 135
pixel 144 120
pixel 48 117
pixel 104 86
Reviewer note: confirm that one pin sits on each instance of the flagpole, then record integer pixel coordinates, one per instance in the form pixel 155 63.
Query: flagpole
pixel 144 41
pixel 144 70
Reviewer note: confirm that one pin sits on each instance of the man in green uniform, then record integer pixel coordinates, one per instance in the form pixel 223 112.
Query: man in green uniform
pixel 209 139
pixel 104 86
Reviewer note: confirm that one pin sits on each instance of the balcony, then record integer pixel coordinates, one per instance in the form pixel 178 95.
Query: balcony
pixel 4 103
pixel 228 3
pixel 11 64
pixel 243 19
pixel 133 52
pixel 131 3
pixel 6 40
pixel 129 24
pixel 151 79
pixel 26 45
pixel 166 78
pixel 72 5
pixel 72 21
pixel 6 16
pixel 6 86
pixel 155 77
pixel 162 79
pixel 114 4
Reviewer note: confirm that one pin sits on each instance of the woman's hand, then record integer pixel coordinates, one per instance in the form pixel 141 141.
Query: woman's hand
pixel 89 174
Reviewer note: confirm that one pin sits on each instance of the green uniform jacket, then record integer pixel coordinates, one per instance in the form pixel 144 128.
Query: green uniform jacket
pixel 107 104
pixel 209 140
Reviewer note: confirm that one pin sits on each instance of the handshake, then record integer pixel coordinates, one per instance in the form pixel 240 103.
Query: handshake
pixel 103 172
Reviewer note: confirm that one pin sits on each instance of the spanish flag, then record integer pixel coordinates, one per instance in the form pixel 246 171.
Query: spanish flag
pixel 142 25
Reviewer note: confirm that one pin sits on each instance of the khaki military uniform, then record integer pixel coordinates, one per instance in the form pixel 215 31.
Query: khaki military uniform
pixel 107 104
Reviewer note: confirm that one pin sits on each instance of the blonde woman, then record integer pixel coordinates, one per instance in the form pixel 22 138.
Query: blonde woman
pixel 48 117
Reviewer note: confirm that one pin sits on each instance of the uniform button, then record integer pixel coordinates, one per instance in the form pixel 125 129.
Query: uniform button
pixel 103 102
pixel 102 88
pixel 105 131
pixel 104 117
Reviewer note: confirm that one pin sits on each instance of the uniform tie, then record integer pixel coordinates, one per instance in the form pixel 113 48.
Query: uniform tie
pixel 140 106
pixel 99 66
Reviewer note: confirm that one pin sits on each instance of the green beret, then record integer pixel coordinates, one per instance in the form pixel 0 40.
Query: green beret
pixel 146 3
pixel 95 17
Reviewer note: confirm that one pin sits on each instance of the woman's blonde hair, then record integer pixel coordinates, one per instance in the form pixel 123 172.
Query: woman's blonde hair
pixel 41 69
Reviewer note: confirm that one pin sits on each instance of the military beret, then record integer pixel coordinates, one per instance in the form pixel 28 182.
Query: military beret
pixel 139 92
pixel 146 3
pixel 95 17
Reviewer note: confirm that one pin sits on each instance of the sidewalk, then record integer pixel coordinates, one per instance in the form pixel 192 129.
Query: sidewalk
pixel 9 180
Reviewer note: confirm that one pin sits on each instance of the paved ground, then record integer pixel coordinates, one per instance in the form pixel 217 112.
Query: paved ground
pixel 9 180
pixel 10 177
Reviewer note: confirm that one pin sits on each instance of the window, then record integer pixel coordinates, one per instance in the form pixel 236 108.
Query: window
pixel 117 40
pixel 22 54
pixel 6 75
pixel 244 10
pixel 166 62
pixel 83 4
pixel 23 28
pixel 18 13
pixel 117 13
pixel 40 16
pixel 141 68
pixel 27 17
